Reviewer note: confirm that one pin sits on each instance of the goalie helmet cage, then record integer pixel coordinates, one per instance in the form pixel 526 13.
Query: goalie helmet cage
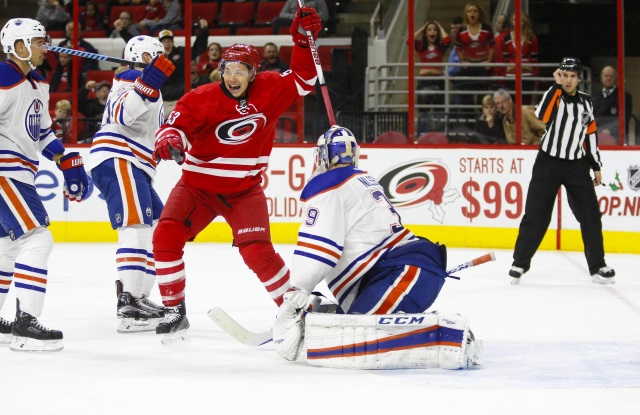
pixel 367 125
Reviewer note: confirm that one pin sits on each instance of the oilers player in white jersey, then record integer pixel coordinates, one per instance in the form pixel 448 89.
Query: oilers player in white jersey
pixel 123 169
pixel 352 238
pixel 25 131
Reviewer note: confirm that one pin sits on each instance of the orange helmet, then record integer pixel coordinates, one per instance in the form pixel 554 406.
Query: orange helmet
pixel 239 52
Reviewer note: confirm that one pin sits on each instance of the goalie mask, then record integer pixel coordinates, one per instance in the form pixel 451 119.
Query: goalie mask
pixel 336 146
pixel 139 45
pixel 24 30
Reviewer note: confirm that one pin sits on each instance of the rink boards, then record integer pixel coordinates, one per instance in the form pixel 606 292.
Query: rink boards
pixel 464 197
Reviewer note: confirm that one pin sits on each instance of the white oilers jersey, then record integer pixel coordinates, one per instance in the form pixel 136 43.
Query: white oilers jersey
pixel 348 225
pixel 129 125
pixel 25 124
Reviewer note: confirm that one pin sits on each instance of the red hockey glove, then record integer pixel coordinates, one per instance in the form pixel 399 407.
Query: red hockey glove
pixel 306 19
pixel 169 145
pixel 76 184
pixel 153 77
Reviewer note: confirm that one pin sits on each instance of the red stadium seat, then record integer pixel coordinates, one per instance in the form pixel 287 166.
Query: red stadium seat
pixel 285 54
pixel 433 137
pixel 236 14
pixel 99 34
pixel 254 31
pixel 605 139
pixel 207 11
pixel 99 76
pixel 391 137
pixel 267 11
pixel 137 12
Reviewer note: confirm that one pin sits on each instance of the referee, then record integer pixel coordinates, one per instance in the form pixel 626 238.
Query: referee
pixel 568 151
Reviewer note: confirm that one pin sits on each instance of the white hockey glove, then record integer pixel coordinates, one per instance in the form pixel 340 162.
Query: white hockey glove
pixel 288 330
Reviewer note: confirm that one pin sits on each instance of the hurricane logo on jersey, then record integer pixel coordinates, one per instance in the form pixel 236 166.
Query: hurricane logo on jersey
pixel 33 118
pixel 240 130
pixel 418 183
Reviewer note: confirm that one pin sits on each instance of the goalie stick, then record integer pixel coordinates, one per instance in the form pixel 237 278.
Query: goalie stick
pixel 95 56
pixel 249 338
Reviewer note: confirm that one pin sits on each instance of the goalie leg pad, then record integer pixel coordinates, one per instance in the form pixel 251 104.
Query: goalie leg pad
pixel 392 341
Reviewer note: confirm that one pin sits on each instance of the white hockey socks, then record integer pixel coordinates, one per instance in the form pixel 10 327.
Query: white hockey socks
pixel 394 341
pixel 134 260
pixel 8 252
pixel 30 273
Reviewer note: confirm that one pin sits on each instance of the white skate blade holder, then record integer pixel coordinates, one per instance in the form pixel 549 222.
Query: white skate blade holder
pixel 27 344
pixel 6 338
pixel 176 337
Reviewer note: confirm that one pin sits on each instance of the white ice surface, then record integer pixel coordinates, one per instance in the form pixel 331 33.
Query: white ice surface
pixel 555 344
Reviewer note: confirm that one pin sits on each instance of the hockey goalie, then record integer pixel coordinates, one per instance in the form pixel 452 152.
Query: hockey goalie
pixel 383 277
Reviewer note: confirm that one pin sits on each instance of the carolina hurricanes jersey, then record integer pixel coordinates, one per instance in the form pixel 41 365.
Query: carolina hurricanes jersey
pixel 432 53
pixel 25 124
pixel 348 226
pixel 229 140
pixel 128 126
pixel 475 48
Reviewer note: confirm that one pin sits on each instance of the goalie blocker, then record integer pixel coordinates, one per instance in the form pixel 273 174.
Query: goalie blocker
pixel 393 341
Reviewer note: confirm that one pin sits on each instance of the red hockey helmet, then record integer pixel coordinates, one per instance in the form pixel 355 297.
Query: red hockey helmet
pixel 239 52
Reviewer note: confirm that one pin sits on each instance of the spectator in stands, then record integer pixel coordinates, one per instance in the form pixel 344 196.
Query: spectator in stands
pixel 474 44
pixel 456 24
pixel 62 75
pixel 62 123
pixel 532 128
pixel 91 19
pixel 529 51
pixel 488 127
pixel 52 15
pixel 271 59
pixel 209 59
pixel 93 108
pixel 196 78
pixel 173 88
pixel 111 3
pixel 500 30
pixel 86 64
pixel 431 42
pixel 285 18
pixel 605 103
pixel 215 76
pixel 125 27
pixel 153 13
pixel 172 18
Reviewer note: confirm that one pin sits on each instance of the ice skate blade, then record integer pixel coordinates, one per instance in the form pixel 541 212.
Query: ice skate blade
pixel 26 344
pixel 177 337
pixel 6 338
pixel 473 353
pixel 601 280
pixel 131 325
pixel 515 281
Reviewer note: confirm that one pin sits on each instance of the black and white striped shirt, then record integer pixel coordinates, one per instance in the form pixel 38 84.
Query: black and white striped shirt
pixel 571 128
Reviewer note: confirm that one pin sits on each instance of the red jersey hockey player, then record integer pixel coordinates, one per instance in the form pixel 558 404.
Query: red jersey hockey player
pixel 222 134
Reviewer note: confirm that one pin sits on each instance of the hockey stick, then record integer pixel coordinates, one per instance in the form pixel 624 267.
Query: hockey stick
pixel 321 81
pixel 244 336
pixel 95 56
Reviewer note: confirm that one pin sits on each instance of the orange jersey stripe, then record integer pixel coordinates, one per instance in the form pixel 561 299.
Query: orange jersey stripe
pixel 132 259
pixel 319 248
pixel 132 212
pixel 124 145
pixel 30 278
pixel 15 201
pixel 592 127
pixel 19 160
pixel 554 103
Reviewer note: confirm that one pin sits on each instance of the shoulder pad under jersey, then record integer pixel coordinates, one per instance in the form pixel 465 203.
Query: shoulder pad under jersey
pixel 327 181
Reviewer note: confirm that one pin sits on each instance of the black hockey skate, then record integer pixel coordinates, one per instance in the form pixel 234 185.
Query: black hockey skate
pixel 31 336
pixel 136 314
pixel 604 275
pixel 6 327
pixel 174 325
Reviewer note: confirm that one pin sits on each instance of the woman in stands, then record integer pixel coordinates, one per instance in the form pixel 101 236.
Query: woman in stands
pixel 431 43
pixel 209 59
pixel 529 51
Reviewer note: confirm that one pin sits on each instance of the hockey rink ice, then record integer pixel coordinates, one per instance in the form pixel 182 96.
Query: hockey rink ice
pixel 555 344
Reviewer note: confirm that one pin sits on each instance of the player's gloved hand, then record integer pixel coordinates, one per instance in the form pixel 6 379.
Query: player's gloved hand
pixel 169 145
pixel 153 77
pixel 75 177
pixel 306 19
pixel 288 330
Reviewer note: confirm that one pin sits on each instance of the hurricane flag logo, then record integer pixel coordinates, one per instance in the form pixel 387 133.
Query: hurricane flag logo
pixel 33 118
pixel 240 130
pixel 421 182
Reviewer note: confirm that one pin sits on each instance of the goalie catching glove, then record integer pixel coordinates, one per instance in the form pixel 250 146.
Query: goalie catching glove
pixel 305 20
pixel 76 184
pixel 169 145
pixel 153 77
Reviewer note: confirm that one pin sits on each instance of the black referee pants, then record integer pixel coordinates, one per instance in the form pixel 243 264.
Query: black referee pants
pixel 548 175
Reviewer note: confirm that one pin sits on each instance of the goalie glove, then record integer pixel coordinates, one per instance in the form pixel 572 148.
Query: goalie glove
pixel 288 330
pixel 76 184
pixel 306 19
pixel 169 145
pixel 153 77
